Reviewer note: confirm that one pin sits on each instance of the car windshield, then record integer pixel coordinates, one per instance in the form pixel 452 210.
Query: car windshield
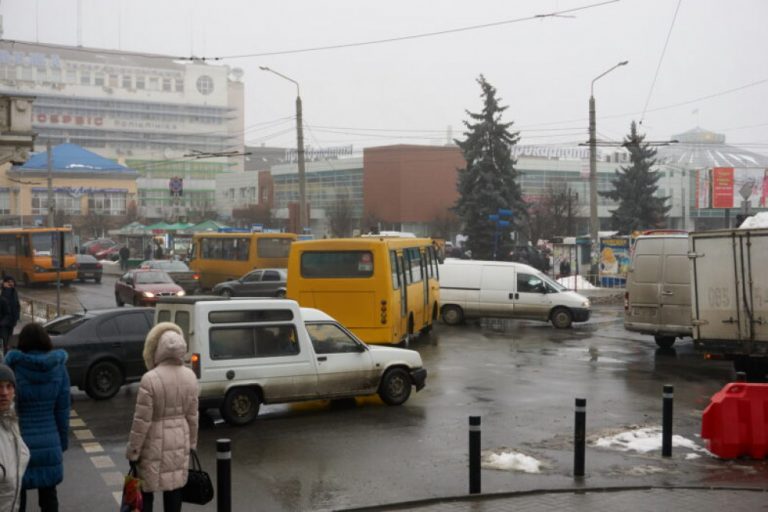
pixel 551 282
pixel 64 324
pixel 152 278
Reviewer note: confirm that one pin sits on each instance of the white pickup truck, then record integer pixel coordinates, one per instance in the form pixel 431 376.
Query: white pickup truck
pixel 253 351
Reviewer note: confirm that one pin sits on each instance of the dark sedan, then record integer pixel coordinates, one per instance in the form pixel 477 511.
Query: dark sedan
pixel 142 287
pixel 88 267
pixel 104 347
pixel 267 282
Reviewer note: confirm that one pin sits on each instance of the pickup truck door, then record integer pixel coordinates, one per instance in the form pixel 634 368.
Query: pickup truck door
pixel 344 365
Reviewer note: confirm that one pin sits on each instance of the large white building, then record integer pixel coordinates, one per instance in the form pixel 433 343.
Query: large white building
pixel 159 116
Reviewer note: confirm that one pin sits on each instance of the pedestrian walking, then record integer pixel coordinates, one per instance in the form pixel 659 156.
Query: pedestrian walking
pixel 14 454
pixel 10 309
pixel 43 407
pixel 159 252
pixel 124 254
pixel 164 428
pixel 148 252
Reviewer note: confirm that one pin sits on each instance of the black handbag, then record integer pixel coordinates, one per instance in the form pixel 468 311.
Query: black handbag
pixel 199 488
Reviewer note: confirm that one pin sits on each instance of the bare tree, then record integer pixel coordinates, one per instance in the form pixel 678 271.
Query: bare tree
pixel 341 219
pixel 554 214
pixel 444 225
pixel 370 222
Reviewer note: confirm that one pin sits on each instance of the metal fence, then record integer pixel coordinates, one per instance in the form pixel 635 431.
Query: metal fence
pixel 33 310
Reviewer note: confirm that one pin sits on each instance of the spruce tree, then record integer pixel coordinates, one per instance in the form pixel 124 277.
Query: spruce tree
pixel 635 187
pixel 489 180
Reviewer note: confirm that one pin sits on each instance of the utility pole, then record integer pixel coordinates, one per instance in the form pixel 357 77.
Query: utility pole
pixel 304 221
pixel 50 183
pixel 593 218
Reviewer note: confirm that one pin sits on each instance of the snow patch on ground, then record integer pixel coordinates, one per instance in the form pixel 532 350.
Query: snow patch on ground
pixel 512 461
pixel 644 440
pixel 645 470
pixel 576 283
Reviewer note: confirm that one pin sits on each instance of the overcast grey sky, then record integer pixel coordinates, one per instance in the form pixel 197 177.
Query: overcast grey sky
pixel 415 89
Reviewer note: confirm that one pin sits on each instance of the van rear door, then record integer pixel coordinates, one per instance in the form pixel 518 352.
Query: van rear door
pixel 644 282
pixel 675 295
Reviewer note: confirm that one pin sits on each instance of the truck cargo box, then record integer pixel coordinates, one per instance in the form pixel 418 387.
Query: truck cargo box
pixel 729 280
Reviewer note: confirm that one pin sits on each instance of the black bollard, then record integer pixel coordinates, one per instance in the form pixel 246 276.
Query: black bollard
pixel 666 421
pixel 474 455
pixel 223 475
pixel 580 437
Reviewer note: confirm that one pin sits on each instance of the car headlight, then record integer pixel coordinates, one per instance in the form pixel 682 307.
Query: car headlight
pixel 148 294
pixel 585 304
pixel 180 293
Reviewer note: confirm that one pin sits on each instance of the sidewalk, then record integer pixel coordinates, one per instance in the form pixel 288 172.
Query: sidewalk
pixel 635 499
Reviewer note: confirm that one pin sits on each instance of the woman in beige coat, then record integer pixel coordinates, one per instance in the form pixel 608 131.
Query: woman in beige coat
pixel 164 426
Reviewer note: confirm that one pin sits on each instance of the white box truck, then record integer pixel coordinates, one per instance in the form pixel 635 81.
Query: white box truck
pixel 729 291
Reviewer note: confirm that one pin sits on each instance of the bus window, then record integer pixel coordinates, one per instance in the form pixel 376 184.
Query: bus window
pixel 210 246
pixel 414 257
pixel 395 269
pixel 354 264
pixel 8 245
pixel 273 247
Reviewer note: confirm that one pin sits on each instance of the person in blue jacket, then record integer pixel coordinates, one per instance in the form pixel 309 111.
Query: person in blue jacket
pixel 42 404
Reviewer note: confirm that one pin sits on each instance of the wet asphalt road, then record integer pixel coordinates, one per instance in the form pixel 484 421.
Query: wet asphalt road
pixel 520 377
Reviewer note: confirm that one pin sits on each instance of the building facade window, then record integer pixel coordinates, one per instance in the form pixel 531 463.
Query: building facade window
pixel 5 202
pixel 140 82
pixel 127 82
pixel 107 203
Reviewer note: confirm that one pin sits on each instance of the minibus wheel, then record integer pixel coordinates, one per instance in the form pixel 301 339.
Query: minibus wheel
pixel 241 406
pixel 561 318
pixel 395 387
pixel 664 341
pixel 453 315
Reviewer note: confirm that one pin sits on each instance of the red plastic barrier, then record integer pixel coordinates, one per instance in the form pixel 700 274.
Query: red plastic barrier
pixel 735 423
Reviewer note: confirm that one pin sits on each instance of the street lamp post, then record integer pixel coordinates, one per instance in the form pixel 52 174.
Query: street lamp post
pixel 303 220
pixel 593 218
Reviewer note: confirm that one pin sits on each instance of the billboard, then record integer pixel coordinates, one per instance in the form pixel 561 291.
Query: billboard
pixel 614 260
pixel 731 186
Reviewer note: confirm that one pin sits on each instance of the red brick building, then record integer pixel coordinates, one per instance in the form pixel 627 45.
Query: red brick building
pixel 407 185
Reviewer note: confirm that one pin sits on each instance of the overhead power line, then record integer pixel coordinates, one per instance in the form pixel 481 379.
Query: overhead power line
pixel 561 13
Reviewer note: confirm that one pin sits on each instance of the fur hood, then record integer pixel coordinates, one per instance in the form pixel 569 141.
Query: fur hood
pixel 155 352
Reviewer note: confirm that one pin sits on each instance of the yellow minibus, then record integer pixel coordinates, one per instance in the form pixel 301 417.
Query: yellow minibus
pixel 218 257
pixel 30 255
pixel 385 290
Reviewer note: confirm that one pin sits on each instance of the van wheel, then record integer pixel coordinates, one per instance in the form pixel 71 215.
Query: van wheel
pixel 241 406
pixel 561 318
pixel 104 380
pixel 664 341
pixel 453 315
pixel 395 387
pixel 119 301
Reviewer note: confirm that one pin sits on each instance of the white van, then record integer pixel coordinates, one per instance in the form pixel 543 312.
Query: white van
pixel 658 296
pixel 473 289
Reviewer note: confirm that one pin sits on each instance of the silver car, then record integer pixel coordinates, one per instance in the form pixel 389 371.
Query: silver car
pixel 263 282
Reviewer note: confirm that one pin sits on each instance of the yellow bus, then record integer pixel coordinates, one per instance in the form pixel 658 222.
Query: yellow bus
pixel 385 290
pixel 29 255
pixel 218 257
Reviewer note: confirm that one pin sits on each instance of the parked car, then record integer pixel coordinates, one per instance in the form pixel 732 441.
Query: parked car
pixel 93 247
pixel 104 347
pixel 88 267
pixel 179 272
pixel 142 287
pixel 268 282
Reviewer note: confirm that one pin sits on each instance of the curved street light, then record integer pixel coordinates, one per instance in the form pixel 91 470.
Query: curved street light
pixel 593 218
pixel 303 218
